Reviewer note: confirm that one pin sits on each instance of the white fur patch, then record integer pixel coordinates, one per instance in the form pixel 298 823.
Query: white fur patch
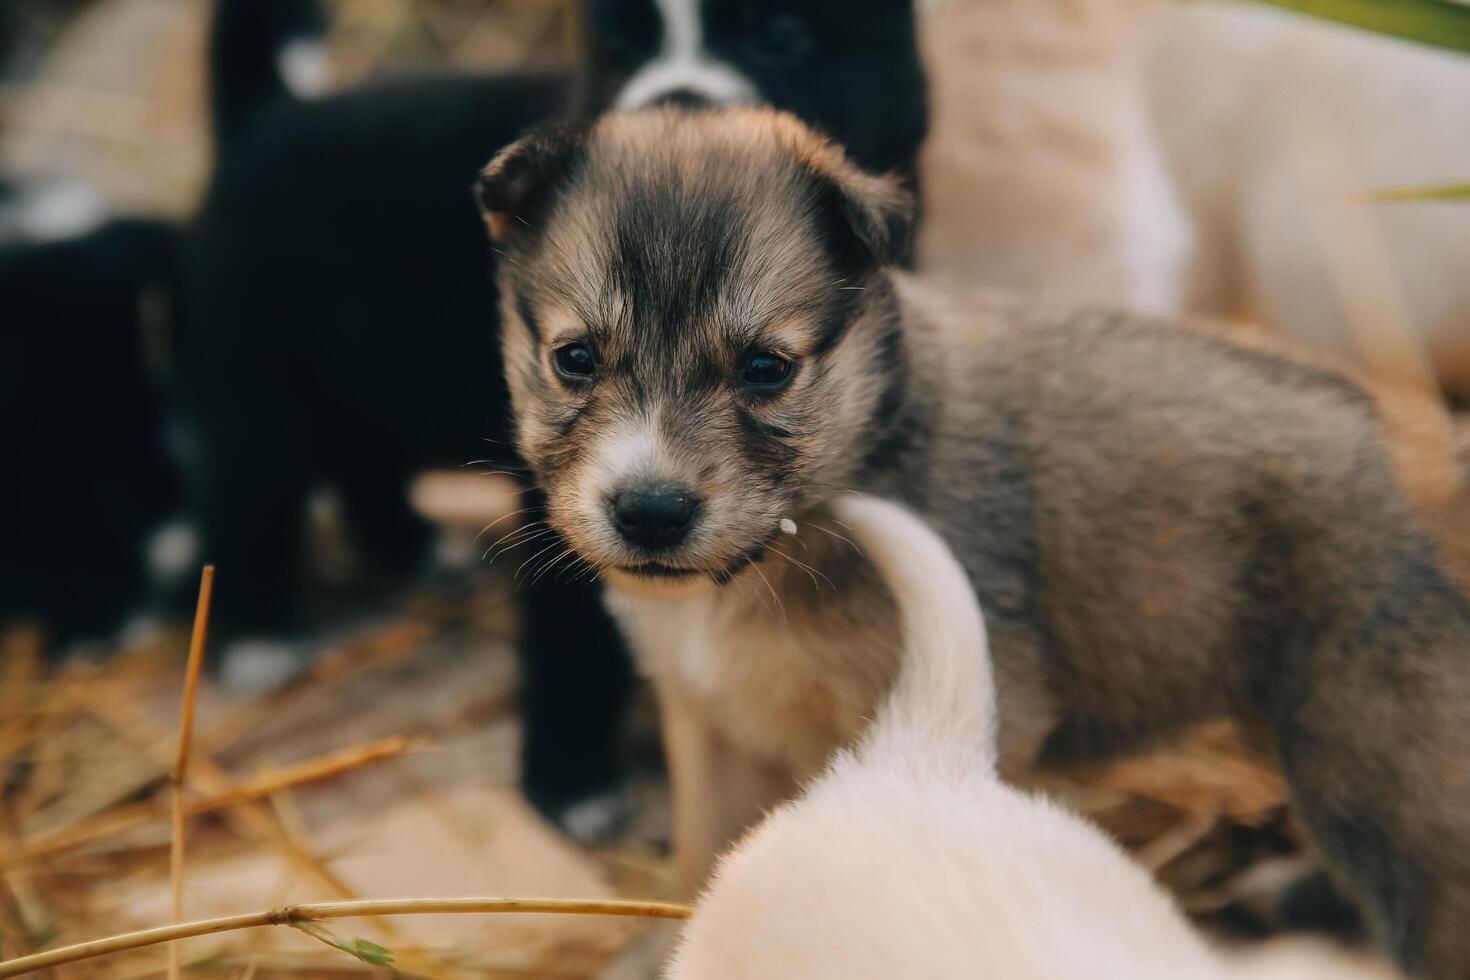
pixel 52 212
pixel 304 67
pixel 172 549
pixel 1158 236
pixel 598 819
pixel 684 65
pixel 634 451
pixel 137 630
pixel 258 666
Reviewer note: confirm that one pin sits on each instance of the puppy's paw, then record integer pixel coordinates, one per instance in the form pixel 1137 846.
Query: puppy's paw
pixel 258 666
pixel 591 820
pixel 598 819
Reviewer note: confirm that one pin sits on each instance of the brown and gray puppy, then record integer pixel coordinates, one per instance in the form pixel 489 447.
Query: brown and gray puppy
pixel 705 342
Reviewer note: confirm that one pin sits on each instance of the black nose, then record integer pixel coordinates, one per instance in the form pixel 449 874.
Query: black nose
pixel 654 517
pixel 684 98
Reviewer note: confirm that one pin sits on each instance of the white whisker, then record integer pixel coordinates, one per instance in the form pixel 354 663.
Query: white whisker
pixel 514 513
pixel 512 545
pixel 840 537
pixel 550 565
pixel 811 572
pixel 518 529
pixel 533 558
pixel 781 605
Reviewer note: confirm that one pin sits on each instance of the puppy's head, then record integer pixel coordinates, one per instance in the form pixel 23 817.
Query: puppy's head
pixel 699 336
pixel 854 76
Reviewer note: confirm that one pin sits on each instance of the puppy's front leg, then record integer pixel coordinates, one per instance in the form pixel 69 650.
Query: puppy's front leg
pixel 718 791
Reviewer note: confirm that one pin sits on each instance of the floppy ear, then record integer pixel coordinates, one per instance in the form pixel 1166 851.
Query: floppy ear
pixel 516 188
pixel 864 218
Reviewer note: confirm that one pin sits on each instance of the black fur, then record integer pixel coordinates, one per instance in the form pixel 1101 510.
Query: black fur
pixel 345 322
pixel 244 46
pixel 87 473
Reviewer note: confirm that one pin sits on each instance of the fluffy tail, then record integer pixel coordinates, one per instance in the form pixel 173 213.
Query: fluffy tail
pixel 941 709
pixel 261 51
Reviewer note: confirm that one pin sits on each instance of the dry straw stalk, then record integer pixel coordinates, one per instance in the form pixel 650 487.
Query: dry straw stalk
pixel 181 761
pixel 297 915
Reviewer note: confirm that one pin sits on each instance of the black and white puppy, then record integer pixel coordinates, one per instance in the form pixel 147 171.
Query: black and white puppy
pixel 850 70
pixel 344 312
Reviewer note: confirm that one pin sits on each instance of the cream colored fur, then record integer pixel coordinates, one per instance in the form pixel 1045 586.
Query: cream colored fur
pixel 1160 156
pixel 909 858
pixel 755 692
pixel 1269 125
pixel 1041 173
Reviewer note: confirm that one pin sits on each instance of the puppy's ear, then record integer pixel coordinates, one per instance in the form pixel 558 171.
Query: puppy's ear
pixel 516 188
pixel 864 218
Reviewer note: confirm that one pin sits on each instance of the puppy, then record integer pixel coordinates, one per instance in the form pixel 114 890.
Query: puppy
pixel 1298 118
pixel 909 857
pixel 1204 157
pixel 328 344
pixel 706 345
pixel 347 327
pixel 1043 169
pixel 83 325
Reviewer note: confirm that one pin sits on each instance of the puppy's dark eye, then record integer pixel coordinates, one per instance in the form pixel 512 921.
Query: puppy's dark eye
pixel 575 361
pixel 765 371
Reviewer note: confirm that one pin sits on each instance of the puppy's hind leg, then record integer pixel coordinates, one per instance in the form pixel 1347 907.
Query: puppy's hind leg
pixel 258 469
pixel 1374 728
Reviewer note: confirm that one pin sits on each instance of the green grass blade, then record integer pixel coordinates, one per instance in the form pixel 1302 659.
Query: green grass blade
pixel 1441 23
pixel 1399 195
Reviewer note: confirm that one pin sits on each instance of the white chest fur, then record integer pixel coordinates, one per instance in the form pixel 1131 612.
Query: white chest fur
pixel 783 684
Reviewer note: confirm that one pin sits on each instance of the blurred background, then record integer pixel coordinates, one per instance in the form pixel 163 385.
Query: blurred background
pixel 114 93
pixel 1182 159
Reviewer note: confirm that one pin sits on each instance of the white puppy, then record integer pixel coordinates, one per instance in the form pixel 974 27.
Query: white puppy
pixel 909 858
pixel 1205 158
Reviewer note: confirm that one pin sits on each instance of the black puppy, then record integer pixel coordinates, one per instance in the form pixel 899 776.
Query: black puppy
pixel 87 476
pixel 344 310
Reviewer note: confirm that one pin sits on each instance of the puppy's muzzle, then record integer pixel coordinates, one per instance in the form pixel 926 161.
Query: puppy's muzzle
pixel 654 518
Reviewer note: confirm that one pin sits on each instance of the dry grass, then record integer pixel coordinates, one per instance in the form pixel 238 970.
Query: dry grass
pixel 192 669
pixel 387 770
pixel 390 773
pixel 306 918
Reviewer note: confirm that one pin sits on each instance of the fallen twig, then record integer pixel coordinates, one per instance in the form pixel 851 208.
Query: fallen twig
pixel 181 761
pixel 250 790
pixel 296 915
